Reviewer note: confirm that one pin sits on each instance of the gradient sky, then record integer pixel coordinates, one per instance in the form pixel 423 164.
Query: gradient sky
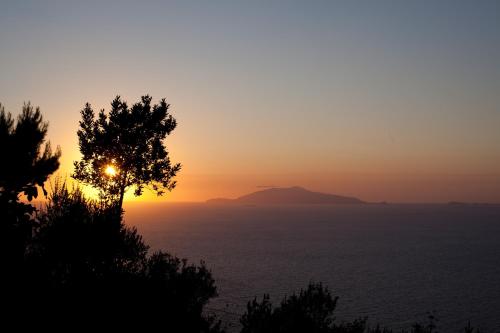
pixel 384 100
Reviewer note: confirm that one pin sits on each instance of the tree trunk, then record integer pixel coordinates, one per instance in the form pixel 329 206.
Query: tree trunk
pixel 122 193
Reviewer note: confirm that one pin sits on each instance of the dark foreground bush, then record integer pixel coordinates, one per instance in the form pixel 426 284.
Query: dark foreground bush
pixel 312 310
pixel 309 311
pixel 85 267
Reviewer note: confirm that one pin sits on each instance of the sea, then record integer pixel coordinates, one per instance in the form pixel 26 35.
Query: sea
pixel 392 263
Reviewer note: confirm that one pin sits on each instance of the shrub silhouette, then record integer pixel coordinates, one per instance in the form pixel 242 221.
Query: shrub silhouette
pixel 80 242
pixel 309 311
pixel 312 311
pixel 84 254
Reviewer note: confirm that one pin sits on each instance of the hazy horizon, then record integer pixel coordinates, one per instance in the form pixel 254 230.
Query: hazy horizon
pixel 385 101
pixel 265 188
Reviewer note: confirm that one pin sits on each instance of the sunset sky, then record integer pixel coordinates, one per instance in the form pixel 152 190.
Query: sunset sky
pixel 383 100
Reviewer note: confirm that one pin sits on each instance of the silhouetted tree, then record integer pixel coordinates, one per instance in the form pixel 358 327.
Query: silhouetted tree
pixel 309 311
pixel 26 163
pixel 130 140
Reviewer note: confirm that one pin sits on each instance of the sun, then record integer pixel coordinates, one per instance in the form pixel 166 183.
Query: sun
pixel 110 171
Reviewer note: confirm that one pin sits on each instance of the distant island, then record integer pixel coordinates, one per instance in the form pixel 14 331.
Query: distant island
pixel 288 195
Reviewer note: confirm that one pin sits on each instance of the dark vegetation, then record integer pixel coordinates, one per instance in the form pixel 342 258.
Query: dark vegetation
pixel 74 262
pixel 131 139
pixel 312 310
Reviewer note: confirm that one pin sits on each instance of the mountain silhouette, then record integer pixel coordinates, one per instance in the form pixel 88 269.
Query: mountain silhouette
pixel 288 195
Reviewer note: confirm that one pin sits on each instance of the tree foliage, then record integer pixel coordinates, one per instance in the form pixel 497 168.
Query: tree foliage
pixel 130 139
pixel 309 311
pixel 27 162
pixel 27 159
pixel 312 311
pixel 89 266
pixel 79 242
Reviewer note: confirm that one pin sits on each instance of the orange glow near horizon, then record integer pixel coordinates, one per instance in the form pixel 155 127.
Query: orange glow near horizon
pixel 386 178
pixel 351 101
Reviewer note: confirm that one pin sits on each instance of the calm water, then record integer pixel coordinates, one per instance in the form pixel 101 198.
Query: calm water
pixel 392 263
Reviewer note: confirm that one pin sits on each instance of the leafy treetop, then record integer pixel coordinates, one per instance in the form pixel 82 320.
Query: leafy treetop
pixel 27 160
pixel 129 141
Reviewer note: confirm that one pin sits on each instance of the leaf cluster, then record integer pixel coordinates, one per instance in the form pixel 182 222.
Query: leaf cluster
pixel 132 140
